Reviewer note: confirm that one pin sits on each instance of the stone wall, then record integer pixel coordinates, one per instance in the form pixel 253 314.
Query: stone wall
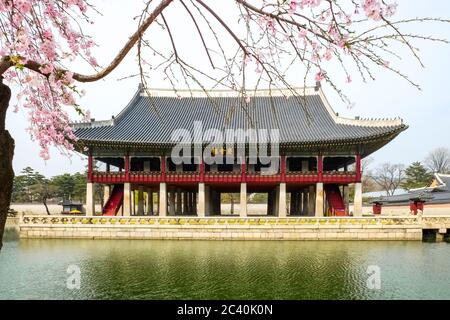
pixel 224 228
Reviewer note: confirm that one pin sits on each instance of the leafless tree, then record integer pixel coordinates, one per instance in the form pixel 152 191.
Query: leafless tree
pixel 438 160
pixel 389 177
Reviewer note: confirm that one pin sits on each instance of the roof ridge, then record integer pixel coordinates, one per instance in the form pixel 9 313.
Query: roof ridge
pixel 198 93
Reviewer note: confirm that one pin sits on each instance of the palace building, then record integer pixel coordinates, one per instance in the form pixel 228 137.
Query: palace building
pixel 319 154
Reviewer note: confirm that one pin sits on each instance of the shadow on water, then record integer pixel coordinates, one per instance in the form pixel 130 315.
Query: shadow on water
pixel 11 234
pixel 134 269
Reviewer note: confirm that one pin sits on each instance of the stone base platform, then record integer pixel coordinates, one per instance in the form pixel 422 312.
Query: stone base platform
pixel 230 228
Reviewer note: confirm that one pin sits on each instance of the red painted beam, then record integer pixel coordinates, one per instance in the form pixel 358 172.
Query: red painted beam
pixel 90 167
pixel 320 167
pixel 127 168
pixel 163 168
pixel 243 170
pixel 283 168
pixel 358 167
pixel 202 169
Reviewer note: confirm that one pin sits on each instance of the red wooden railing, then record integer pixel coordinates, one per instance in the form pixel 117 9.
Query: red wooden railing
pixel 224 177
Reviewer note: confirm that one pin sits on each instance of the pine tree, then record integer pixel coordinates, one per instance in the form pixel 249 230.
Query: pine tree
pixel 417 176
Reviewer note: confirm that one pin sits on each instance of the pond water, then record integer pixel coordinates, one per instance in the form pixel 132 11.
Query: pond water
pixel 158 269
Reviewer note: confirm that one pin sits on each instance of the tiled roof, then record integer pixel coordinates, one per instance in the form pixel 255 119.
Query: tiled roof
pixel 151 120
pixel 436 195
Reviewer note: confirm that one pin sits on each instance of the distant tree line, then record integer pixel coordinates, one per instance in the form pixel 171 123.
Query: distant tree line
pixel 389 177
pixel 31 186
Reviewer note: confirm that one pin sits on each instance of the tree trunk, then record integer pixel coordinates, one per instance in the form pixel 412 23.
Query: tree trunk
pixel 6 158
pixel 45 205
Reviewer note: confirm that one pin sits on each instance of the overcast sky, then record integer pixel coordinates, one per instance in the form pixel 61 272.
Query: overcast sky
pixel 427 112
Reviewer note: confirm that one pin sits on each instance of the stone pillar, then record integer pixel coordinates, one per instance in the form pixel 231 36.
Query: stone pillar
pixel 133 202
pixel 188 202
pixel 298 202
pixel 157 201
pixel 305 202
pixel 171 202
pixel 319 199
pixel 269 203
pixel 185 202
pixel 282 200
pixel 201 211
pixel 207 200
pixel 292 204
pixel 106 193
pixel 243 202
pixel 127 199
pixel 212 202
pixel 194 202
pixel 90 199
pixel 311 200
pixel 179 203
pixel 346 197
pixel 149 201
pixel 357 203
pixel 140 204
pixel 162 199
pixel 277 200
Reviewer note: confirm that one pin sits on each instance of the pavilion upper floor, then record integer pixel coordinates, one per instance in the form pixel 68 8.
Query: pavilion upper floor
pixel 343 169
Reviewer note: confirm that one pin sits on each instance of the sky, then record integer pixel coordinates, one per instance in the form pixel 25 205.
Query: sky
pixel 427 112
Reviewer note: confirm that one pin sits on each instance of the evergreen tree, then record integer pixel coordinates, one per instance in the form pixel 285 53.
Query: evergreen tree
pixel 22 185
pixel 65 186
pixel 417 176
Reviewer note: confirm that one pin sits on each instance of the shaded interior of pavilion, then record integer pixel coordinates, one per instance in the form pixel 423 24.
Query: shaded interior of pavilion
pixel 218 198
